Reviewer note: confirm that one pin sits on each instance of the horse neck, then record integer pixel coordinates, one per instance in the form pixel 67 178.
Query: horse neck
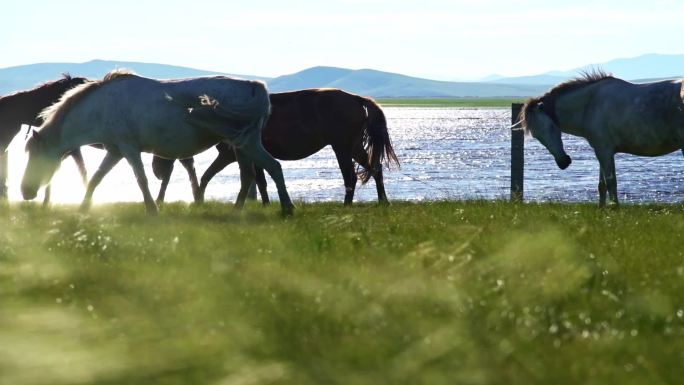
pixel 19 109
pixel 67 137
pixel 570 109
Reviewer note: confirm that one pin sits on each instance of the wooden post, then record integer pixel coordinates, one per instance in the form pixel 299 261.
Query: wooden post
pixel 517 155
pixel 4 155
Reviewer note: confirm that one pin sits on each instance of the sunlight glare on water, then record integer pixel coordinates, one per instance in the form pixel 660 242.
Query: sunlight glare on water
pixel 446 153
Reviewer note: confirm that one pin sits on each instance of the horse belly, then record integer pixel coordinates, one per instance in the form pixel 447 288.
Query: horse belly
pixel 648 143
pixel 177 143
pixel 291 140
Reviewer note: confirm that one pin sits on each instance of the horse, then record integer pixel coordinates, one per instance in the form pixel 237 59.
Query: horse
pixel 128 114
pixel 613 115
pixel 24 107
pixel 301 124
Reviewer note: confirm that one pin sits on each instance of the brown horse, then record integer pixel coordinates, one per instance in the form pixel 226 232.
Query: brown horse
pixel 24 108
pixel 301 124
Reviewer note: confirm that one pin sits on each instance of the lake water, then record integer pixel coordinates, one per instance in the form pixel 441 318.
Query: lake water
pixel 446 153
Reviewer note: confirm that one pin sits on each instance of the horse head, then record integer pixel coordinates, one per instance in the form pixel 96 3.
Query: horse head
pixel 42 164
pixel 538 123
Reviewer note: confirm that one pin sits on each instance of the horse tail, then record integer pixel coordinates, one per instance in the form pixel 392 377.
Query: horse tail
pixel 260 104
pixel 376 141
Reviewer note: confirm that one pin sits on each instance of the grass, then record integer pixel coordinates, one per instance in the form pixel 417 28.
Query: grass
pixel 448 102
pixel 430 293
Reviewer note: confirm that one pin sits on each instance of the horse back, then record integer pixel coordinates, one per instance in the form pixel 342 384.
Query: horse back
pixel 151 115
pixel 623 103
pixel 641 119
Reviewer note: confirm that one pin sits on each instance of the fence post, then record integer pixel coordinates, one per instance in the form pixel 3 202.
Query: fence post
pixel 4 155
pixel 517 155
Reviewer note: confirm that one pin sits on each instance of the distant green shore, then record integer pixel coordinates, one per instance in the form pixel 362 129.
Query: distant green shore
pixel 448 102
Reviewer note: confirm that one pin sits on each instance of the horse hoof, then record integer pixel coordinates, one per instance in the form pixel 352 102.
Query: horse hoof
pixel 609 205
pixel 287 211
pixel 152 210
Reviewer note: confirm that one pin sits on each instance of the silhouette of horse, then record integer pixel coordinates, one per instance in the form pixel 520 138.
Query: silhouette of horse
pixel 24 108
pixel 613 115
pixel 128 114
pixel 301 124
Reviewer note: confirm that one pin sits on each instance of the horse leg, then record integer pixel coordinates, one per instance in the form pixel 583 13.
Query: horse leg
pixel 110 160
pixel 602 189
pixel 254 150
pixel 252 191
pixel 48 194
pixel 246 178
pixel 606 160
pixel 189 164
pixel 225 157
pixel 162 189
pixel 3 173
pixel 135 161
pixel 361 157
pixel 344 160
pixel 80 164
pixel 261 184
pixel 162 168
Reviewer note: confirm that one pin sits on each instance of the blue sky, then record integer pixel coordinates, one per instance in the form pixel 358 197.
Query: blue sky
pixel 458 39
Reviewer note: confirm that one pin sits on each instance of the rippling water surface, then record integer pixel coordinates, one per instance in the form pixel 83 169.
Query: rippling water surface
pixel 446 153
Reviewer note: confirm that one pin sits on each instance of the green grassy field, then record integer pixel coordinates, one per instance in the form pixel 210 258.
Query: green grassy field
pixel 430 293
pixel 448 102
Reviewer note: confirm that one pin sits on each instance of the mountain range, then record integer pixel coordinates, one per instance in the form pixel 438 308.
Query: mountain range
pixel 363 81
pixel 640 68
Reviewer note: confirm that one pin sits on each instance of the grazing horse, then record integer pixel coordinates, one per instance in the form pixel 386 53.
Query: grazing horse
pixel 613 116
pixel 129 114
pixel 24 108
pixel 302 123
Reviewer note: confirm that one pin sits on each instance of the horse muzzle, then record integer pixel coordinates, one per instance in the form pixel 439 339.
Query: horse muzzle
pixel 29 193
pixel 564 162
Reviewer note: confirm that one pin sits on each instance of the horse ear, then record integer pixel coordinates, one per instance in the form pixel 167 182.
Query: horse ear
pixel 33 140
pixel 36 137
pixel 540 105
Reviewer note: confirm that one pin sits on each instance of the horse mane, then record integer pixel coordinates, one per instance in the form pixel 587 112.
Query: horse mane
pixel 66 77
pixel 585 78
pixel 54 114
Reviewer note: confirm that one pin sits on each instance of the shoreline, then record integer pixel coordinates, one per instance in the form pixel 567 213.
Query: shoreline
pixel 449 102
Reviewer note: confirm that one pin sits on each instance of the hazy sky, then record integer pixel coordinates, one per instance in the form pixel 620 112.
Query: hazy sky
pixel 451 39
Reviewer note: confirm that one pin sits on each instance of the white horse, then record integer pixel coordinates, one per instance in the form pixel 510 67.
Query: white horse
pixel 129 114
pixel 613 116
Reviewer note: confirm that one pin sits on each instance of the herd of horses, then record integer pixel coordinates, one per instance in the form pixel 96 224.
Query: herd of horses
pixel 125 115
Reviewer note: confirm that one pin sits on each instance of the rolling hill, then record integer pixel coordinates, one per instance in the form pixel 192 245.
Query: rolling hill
pixel 27 76
pixel 386 84
pixel 640 68
pixel 365 82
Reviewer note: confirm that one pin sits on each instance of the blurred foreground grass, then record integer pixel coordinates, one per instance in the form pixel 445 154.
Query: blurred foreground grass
pixel 431 293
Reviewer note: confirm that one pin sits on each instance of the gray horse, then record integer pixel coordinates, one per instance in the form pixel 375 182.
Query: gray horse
pixel 129 114
pixel 613 116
